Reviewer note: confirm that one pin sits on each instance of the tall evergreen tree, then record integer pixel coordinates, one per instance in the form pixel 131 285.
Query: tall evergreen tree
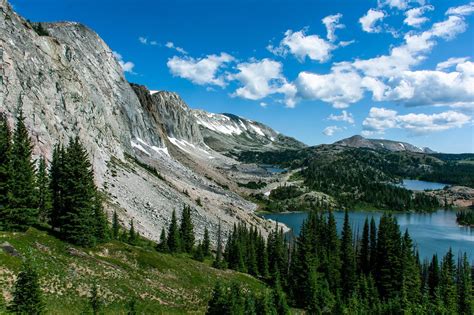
pixel 27 296
pixel 206 244
pixel 132 235
pixel 373 243
pixel 411 284
pixel 43 192
pixel 173 240
pixel 22 207
pixel 218 263
pixel 57 184
pixel 332 261
pixel 448 281
pixel 163 245
pixel 364 253
pixel 389 273
pixel 115 226
pixel 279 297
pixel 433 277
pixel 81 219
pixel 218 305
pixel 5 146
pixel 347 259
pixel 465 287
pixel 186 230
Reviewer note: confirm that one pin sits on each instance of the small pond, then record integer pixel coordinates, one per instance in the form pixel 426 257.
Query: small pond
pixel 414 184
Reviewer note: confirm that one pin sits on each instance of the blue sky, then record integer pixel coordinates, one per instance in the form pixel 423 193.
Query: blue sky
pixel 316 70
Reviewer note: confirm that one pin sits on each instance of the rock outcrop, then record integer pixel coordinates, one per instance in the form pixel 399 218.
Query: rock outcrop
pixel 228 132
pixel 148 151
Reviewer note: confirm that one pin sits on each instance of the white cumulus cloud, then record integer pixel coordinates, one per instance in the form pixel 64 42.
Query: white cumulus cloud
pixel 339 87
pixel 415 18
pixel 381 119
pixel 399 4
pixel 301 46
pixel 127 66
pixel 462 10
pixel 344 116
pixel 331 130
pixel 369 20
pixel 332 23
pixel 202 71
pixel 260 78
pixel 450 63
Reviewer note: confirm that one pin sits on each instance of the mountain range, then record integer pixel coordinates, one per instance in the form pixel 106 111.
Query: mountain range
pixel 151 153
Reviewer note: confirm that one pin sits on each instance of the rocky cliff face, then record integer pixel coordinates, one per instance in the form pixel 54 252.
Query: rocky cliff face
pixel 148 152
pixel 68 84
pixel 380 144
pixel 227 132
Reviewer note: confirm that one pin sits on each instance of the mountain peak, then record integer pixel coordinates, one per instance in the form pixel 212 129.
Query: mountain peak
pixel 358 141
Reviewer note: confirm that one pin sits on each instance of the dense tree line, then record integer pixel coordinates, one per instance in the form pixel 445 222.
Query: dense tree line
pixel 454 173
pixel 378 272
pixel 235 300
pixel 180 238
pixel 65 196
pixel 465 217
pixel 362 183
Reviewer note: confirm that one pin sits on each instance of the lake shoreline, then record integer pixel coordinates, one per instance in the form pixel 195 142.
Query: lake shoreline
pixel 433 233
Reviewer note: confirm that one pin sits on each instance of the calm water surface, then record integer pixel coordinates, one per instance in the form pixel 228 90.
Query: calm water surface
pixel 431 232
pixel 414 184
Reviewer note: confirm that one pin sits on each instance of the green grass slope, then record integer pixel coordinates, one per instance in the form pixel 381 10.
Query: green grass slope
pixel 162 283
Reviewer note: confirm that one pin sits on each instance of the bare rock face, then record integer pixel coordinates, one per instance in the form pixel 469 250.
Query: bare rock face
pixel 68 84
pixel 147 150
pixel 228 132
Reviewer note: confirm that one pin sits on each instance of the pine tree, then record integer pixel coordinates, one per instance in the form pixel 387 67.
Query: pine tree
pixel 5 147
pixel 22 207
pixel 465 288
pixel 373 243
pixel 115 226
pixel 82 212
pixel 173 240
pixel 186 230
pixel 206 244
pixel 198 252
pixel 57 184
pixel 433 277
pixel 364 254
pixel 217 263
pixel 27 296
pixel 279 297
pixel 265 305
pixel 332 261
pixel 389 272
pixel 447 281
pixel 101 224
pixel 163 245
pixel 132 236
pixel 411 284
pixel 218 303
pixel 236 299
pixel 43 192
pixel 347 259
